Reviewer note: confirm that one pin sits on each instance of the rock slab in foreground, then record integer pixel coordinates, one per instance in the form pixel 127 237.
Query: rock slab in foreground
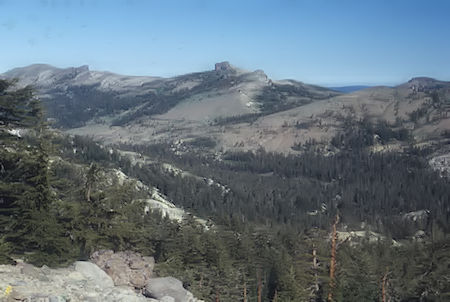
pixel 82 282
pixel 94 274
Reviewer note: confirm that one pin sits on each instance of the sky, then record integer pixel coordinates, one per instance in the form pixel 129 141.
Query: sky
pixel 330 43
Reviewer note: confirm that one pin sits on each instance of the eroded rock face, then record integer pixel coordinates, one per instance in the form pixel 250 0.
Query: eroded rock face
pixel 223 66
pixel 125 268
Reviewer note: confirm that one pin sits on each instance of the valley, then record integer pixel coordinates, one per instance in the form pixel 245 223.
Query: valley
pixel 231 181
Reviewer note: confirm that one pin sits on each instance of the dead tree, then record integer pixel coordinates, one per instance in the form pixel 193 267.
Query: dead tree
pixel 259 287
pixel 334 238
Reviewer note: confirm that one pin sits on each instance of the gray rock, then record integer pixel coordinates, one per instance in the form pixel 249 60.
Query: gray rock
pixel 165 288
pixel 223 66
pixel 167 299
pixel 86 282
pixel 44 298
pixel 57 299
pixel 19 283
pixel 95 274
pixel 31 270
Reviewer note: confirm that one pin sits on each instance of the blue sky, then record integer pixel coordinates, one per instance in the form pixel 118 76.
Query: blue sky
pixel 340 42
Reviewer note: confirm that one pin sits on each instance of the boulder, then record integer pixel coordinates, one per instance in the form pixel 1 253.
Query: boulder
pixel 125 294
pixel 31 270
pixel 125 268
pixel 94 274
pixel 168 289
pixel 118 271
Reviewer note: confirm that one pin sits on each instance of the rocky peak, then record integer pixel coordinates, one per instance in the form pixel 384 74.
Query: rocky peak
pixel 223 66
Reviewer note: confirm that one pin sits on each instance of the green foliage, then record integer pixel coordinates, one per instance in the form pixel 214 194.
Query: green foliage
pixel 304 191
pixel 5 252
pixel 231 120
pixel 279 97
pixel 28 225
pixel 13 105
pixel 357 135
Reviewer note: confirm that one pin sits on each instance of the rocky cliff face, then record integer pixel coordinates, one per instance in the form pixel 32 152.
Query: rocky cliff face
pixel 123 277
pixel 223 66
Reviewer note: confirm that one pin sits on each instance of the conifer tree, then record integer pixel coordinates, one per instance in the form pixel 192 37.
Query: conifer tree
pixel 28 222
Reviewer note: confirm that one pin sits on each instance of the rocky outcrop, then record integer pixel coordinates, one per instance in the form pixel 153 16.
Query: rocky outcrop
pixel 223 66
pixel 168 289
pixel 125 268
pixel 85 281
pixel 94 274
pixel 417 216
pixel 441 164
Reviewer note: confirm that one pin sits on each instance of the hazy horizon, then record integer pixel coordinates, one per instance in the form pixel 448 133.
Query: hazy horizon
pixel 326 43
pixel 212 67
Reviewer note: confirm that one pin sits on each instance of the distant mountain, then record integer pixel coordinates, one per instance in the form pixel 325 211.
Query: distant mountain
pixel 348 89
pixel 228 108
pixel 75 96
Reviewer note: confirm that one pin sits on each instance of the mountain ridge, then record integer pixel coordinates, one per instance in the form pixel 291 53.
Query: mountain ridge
pixel 237 109
pixel 98 94
pixel 258 205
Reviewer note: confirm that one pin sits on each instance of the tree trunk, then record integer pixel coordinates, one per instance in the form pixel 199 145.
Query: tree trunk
pixel 333 259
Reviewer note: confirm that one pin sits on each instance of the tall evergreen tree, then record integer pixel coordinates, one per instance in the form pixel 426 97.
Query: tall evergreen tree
pixel 28 222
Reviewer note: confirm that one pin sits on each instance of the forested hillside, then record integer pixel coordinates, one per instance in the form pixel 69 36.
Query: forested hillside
pixel 268 235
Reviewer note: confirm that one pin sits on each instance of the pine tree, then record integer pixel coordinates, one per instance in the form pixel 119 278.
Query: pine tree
pixel 27 219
